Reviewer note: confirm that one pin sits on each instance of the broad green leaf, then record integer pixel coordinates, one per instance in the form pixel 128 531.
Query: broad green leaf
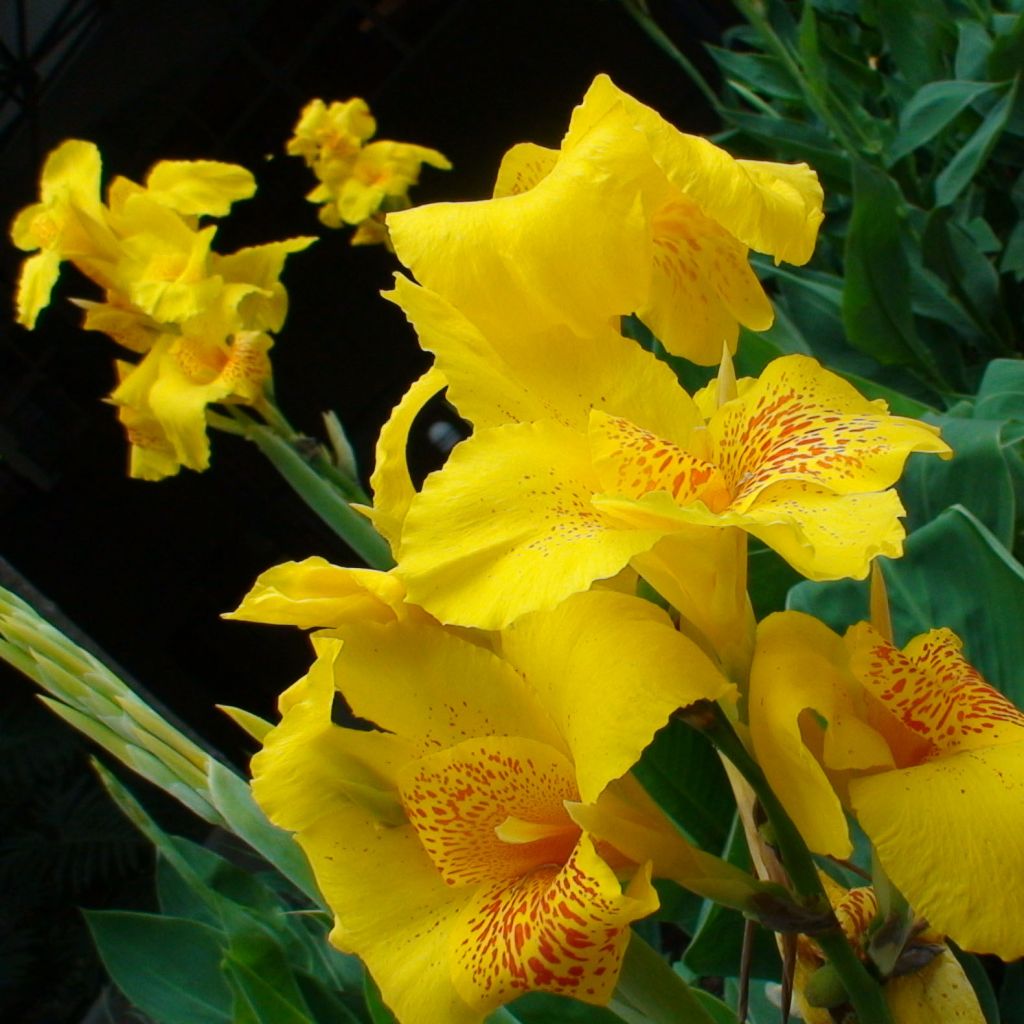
pixel 1013 255
pixel 761 1009
pixel 793 140
pixel 328 1006
pixel 1001 393
pixel 683 774
pixel 762 73
pixel 167 967
pixel 876 299
pixel 974 44
pixel 379 1013
pixel 261 997
pixel 954 573
pixel 977 477
pixel 231 796
pixel 918 34
pixel 769 578
pixel 930 110
pixel 958 173
pixel 1007 56
pixel 718 1010
pixel 541 1008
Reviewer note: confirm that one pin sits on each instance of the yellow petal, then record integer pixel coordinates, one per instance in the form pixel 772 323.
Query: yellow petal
pixel 421 681
pixel 940 991
pixel 198 187
pixel 561 930
pixel 261 265
pixel 459 801
pixel 574 249
pixel 799 672
pixel 392 486
pixel 313 593
pixel 39 274
pixel 950 835
pixel 511 375
pixel 507 527
pixel 523 167
pixel 610 669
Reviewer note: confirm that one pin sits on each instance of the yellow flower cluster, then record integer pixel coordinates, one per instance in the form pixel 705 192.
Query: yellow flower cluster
pixel 359 180
pixel 200 320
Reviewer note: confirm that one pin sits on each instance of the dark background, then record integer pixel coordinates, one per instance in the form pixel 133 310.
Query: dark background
pixel 145 569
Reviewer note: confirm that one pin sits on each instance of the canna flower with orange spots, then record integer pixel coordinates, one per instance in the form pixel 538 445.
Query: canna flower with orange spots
pixel 925 754
pixel 488 840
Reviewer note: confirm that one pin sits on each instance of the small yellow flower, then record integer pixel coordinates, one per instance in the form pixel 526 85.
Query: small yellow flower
pixel 926 755
pixel 477 848
pixel 358 179
pixel 630 215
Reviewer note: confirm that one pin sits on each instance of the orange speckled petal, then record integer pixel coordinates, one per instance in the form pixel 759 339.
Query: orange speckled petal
pixel 458 800
pixel 802 423
pixel 507 527
pixel 633 462
pixel 933 691
pixel 950 835
pixel 561 929
pixel 940 991
pixel 522 167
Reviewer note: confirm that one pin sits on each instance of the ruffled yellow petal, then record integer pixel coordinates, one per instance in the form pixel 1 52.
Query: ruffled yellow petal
pixel 513 375
pixel 574 249
pixel 198 187
pixel 122 322
pixel 421 681
pixel 950 835
pixel 392 486
pixel 773 208
pixel 313 593
pixel 610 669
pixel 933 691
pixel 561 929
pixel 492 809
pixel 507 527
pixel 264 308
pixel 804 709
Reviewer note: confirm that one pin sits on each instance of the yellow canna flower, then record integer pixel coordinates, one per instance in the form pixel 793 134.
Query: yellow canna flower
pixel 630 215
pixel 358 179
pixel 162 401
pixel 922 993
pixel 927 756
pixel 587 455
pixel 477 848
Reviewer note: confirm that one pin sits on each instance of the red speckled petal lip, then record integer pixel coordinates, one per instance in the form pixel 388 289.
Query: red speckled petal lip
pixel 458 800
pixel 934 692
pixel 561 929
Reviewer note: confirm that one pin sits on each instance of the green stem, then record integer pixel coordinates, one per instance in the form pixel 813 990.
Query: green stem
pixel 640 15
pixel 864 992
pixel 650 991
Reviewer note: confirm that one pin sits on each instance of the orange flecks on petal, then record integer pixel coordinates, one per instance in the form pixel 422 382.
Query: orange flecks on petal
pixel 633 462
pixel 461 800
pixel 933 691
pixel 560 929
pixel 856 910
pixel 522 167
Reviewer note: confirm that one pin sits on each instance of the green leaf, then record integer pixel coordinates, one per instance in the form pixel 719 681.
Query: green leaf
pixel 264 1001
pixel 231 796
pixel 930 110
pixel 1013 255
pixel 876 299
pixel 918 33
pixel 1001 392
pixel 977 477
pixel 379 1013
pixel 762 73
pixel 719 1011
pixel 541 1008
pixel 954 573
pixel 789 139
pixel 167 967
pixel 683 774
pixel 974 45
pixel 956 175
pixel 1007 57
